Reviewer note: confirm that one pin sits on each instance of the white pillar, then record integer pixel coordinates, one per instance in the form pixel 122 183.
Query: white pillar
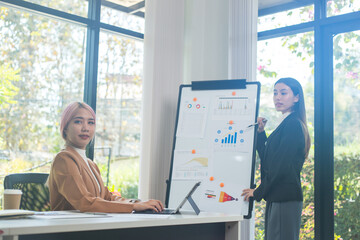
pixel 242 62
pixel 206 40
pixel 163 73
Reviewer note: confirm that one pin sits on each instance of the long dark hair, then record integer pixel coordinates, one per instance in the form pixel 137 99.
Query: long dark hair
pixel 298 108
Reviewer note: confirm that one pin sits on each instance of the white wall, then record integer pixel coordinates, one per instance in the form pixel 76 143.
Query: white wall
pixel 206 40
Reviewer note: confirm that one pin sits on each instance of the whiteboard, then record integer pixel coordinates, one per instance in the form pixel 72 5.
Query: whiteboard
pixel 213 144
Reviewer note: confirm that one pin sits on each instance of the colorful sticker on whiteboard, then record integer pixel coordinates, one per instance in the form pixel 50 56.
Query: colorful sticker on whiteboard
pixel 210 194
pixel 224 197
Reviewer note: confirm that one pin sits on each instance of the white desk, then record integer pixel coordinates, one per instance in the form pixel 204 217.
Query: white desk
pixel 128 226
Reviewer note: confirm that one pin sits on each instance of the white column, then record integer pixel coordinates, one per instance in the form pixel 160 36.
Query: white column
pixel 206 40
pixel 163 73
pixel 243 39
pixel 242 62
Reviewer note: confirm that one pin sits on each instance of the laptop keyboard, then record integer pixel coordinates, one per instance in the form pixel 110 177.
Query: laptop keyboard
pixel 150 211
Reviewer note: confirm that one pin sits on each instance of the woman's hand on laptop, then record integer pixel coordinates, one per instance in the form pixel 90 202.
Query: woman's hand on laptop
pixel 152 204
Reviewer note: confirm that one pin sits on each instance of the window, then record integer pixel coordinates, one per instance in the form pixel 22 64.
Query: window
pixel 118 107
pixel 42 69
pixel 121 19
pixel 290 56
pixel 337 7
pixel 77 7
pixel 346 141
pixel 286 18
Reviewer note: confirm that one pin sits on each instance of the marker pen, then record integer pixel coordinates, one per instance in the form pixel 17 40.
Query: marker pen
pixel 254 124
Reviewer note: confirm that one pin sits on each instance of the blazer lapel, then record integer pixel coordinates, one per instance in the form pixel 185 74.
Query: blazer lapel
pixel 85 167
pixel 275 132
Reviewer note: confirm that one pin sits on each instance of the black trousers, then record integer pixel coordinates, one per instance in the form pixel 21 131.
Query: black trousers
pixel 283 220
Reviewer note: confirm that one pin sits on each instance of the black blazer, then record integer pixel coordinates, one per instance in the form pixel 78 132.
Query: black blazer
pixel 282 156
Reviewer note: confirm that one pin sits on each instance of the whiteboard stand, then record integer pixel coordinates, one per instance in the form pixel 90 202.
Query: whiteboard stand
pixel 214 145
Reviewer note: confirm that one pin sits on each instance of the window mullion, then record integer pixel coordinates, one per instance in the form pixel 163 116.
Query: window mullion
pixel 91 64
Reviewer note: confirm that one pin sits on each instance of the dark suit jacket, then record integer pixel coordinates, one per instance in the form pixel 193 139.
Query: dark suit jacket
pixel 72 186
pixel 282 157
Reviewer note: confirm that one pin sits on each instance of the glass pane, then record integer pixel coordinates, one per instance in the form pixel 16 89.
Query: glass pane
pixel 286 18
pixel 118 109
pixel 290 56
pixel 337 7
pixel 346 135
pixel 77 7
pixel 122 19
pixel 41 71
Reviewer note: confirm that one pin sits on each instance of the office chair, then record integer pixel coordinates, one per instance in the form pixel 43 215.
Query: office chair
pixel 35 195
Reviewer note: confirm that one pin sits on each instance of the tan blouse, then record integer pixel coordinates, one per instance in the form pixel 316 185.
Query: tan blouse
pixel 73 187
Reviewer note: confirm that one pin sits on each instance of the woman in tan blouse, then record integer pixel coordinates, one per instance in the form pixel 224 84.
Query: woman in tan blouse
pixel 75 181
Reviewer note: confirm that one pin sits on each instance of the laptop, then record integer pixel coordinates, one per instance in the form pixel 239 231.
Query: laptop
pixel 177 210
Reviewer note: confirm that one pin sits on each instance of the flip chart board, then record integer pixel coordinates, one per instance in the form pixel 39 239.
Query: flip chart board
pixel 214 144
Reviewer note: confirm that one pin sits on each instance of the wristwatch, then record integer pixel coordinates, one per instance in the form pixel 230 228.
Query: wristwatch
pixel 134 200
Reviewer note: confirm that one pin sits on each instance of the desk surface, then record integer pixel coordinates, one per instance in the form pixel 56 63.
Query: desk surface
pixel 38 225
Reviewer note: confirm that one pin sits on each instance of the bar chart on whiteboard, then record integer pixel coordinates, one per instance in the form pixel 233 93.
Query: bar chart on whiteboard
pixel 233 136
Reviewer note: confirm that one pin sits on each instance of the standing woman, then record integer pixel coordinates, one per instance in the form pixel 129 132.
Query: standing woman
pixel 75 182
pixel 282 156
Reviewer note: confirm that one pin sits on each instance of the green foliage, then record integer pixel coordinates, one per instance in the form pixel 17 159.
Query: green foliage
pixel 124 177
pixel 334 7
pixel 266 73
pixel 45 82
pixel 346 59
pixel 127 180
pixel 7 88
pixel 347 195
pixel 307 181
pixel 259 208
pixel 260 234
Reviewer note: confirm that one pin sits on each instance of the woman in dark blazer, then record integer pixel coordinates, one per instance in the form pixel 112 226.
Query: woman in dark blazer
pixel 282 156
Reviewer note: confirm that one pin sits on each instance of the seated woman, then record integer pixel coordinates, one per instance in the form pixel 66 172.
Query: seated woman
pixel 75 181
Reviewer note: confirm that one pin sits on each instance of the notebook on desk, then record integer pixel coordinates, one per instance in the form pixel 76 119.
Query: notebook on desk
pixel 177 210
pixel 15 213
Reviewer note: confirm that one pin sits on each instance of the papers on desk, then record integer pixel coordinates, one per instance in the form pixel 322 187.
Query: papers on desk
pixel 68 215
pixel 15 213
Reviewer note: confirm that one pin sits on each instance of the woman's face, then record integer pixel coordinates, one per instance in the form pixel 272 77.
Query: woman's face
pixel 80 129
pixel 284 98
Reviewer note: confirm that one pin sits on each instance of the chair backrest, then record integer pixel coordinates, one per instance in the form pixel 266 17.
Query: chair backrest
pixel 35 195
